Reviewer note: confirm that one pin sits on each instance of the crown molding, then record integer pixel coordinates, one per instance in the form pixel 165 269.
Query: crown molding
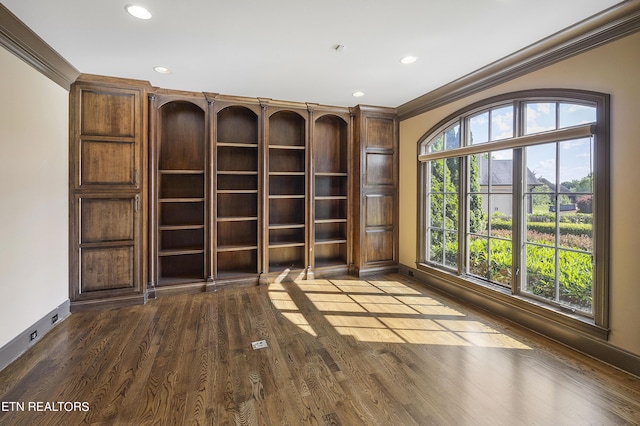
pixel 19 39
pixel 611 24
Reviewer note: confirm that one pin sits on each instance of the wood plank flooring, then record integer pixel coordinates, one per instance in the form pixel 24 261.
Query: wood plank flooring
pixel 384 351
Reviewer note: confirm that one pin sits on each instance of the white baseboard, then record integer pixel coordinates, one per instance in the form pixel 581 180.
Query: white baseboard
pixel 23 341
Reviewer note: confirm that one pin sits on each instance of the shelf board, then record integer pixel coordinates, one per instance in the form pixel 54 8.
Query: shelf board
pixel 336 220
pixel 238 172
pixel 286 196
pixel 237 219
pixel 331 241
pixel 180 227
pixel 285 244
pixel 168 281
pixel 181 172
pixel 180 252
pixel 330 197
pixel 294 147
pixel 180 200
pixel 286 225
pixel 291 267
pixel 286 173
pixel 237 191
pixel 331 174
pixel 235 273
pixel 329 263
pixel 238 247
pixel 237 145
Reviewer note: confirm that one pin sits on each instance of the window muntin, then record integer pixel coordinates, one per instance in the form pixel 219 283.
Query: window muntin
pixel 489 246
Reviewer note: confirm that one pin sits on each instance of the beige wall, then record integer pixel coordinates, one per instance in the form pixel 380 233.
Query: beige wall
pixel 613 69
pixel 34 121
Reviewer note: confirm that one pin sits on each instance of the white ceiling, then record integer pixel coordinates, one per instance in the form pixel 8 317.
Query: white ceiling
pixel 284 49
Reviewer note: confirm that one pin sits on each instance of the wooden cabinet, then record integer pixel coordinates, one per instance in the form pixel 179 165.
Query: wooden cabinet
pixel 229 190
pixel 179 189
pixel 376 185
pixel 107 165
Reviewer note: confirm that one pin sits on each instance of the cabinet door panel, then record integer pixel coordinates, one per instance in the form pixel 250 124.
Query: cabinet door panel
pixel 106 245
pixel 379 210
pixel 379 243
pixel 108 113
pixel 380 133
pixel 105 162
pixel 107 219
pixel 106 268
pixel 379 169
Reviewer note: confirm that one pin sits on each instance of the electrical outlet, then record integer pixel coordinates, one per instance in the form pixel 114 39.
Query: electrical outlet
pixel 260 344
pixel 54 319
pixel 410 273
pixel 33 335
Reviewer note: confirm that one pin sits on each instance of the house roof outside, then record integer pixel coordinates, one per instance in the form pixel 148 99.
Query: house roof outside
pixel 501 173
pixel 561 189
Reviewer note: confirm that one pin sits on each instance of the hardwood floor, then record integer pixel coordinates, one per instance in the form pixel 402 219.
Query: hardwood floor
pixel 340 352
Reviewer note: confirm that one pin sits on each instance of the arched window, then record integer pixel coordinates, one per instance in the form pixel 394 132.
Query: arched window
pixel 514 197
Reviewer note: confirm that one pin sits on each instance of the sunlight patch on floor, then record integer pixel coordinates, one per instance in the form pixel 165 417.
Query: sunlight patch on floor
pixel 385 312
pixel 300 320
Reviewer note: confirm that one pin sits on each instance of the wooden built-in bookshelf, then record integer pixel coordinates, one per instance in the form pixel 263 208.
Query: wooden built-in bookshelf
pixel 203 190
pixel 237 186
pixel 181 194
pixel 287 205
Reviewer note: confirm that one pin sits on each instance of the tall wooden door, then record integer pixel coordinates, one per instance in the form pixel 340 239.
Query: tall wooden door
pixel 107 187
pixel 376 186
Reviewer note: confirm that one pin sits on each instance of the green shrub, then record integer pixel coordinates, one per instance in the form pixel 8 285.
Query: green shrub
pixel 541 217
pixel 549 227
pixel 450 255
pixel 576 218
pixel 501 224
pixel 575 273
pixel 499 269
pixel 565 228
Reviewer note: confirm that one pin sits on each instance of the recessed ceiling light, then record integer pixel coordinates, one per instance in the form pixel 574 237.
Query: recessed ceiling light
pixel 162 70
pixel 408 59
pixel 137 11
pixel 358 94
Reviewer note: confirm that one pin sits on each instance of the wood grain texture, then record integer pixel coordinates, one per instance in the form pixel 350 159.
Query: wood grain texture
pixel 384 351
